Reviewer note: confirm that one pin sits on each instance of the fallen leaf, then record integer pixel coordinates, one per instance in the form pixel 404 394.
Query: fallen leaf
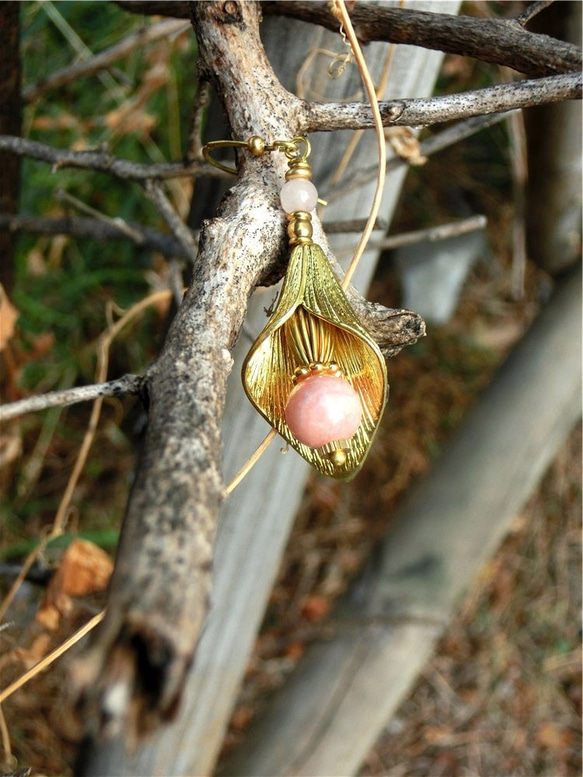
pixel 84 569
pixel 8 318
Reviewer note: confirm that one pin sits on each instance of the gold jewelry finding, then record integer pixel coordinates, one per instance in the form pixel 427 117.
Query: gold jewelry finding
pixel 314 343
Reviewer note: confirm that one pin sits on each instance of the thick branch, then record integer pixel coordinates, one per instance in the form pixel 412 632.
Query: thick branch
pixel 78 226
pixel 153 621
pixel 423 112
pixel 499 41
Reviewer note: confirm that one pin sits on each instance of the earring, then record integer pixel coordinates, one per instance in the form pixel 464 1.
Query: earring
pixel 314 372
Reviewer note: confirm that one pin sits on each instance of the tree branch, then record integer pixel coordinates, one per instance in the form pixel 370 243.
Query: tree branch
pixel 431 145
pixel 498 41
pixel 104 162
pixel 423 112
pixel 128 384
pixel 531 11
pixel 186 238
pixel 104 59
pixel 147 640
pixel 322 117
pixel 78 226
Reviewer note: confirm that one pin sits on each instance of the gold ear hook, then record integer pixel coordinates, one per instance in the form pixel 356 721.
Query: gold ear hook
pixel 255 145
pixel 297 149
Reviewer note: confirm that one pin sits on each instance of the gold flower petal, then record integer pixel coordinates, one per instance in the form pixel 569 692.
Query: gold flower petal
pixel 314 322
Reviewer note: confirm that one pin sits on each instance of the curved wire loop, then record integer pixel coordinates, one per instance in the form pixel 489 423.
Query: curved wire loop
pixel 297 148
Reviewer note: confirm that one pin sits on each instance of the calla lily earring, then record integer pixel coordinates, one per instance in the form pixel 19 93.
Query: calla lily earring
pixel 314 372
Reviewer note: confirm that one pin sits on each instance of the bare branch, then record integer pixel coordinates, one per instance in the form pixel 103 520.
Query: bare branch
pixel 432 234
pixel 201 102
pixel 105 58
pixel 104 162
pixel 532 10
pixel 499 41
pixel 322 117
pixel 128 384
pixel 145 237
pixel 431 145
pixel 156 195
pixel 423 112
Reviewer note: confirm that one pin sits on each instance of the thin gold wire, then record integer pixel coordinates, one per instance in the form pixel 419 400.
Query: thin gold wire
pixel 343 15
pixel 48 660
pixel 297 148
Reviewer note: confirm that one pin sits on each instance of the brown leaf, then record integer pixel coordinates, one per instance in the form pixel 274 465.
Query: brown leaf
pixel 8 318
pixel 85 569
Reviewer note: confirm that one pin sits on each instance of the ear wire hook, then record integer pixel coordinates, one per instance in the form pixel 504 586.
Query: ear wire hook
pixel 298 148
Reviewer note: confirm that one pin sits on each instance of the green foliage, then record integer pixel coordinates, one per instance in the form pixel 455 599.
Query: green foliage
pixel 64 285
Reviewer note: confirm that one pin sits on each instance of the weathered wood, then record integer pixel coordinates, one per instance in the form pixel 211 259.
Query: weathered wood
pixel 330 712
pixel 257 518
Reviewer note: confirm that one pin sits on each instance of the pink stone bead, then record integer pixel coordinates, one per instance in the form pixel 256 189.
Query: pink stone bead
pixel 322 409
pixel 298 194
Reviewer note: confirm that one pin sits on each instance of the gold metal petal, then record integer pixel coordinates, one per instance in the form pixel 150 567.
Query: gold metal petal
pixel 314 322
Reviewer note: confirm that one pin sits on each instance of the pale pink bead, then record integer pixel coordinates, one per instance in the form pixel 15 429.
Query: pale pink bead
pixel 298 194
pixel 322 409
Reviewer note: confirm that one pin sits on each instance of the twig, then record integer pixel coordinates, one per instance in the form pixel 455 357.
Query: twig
pixel 427 147
pixel 325 117
pixel 119 223
pixel 145 237
pixel 128 384
pixel 201 102
pixel 352 225
pixel 156 195
pixel 101 373
pixel 532 10
pixel 423 112
pixel 104 162
pixel 453 229
pixel 105 58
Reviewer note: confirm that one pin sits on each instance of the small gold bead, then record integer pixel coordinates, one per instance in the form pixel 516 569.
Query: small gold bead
pixel 299 228
pixel 256 145
pixel 338 458
pixel 299 168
